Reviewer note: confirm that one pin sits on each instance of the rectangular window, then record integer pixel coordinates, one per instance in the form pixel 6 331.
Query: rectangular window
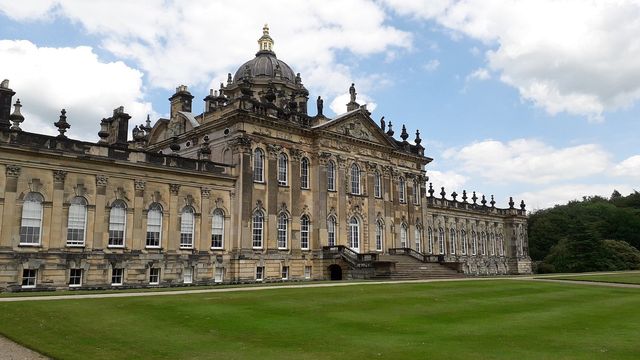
pixel 307 272
pixel 29 278
pixel 217 230
pixel 75 277
pixel 117 224
pixel 259 273
pixel 416 193
pixel 30 223
pixel 154 228
pixel 186 230
pixel 187 275
pixel 117 275
pixel 285 273
pixel 377 185
pixel 331 176
pixel 154 276
pixel 219 275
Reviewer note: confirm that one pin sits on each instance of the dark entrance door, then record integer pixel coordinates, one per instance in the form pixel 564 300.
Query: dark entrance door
pixel 336 272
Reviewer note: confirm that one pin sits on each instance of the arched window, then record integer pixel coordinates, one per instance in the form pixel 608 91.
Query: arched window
pixel 304 173
pixel 416 192
pixel 483 243
pixel 258 165
pixel 474 242
pixel 257 227
pixel 187 222
pixel 492 241
pixel 418 239
pixel 441 241
pixel 452 241
pixel 402 194
pixel 355 179
pixel 217 229
pixel 283 166
pixel 429 240
pixel 304 232
pixel 154 225
pixel 31 222
pixel 331 175
pixel 403 235
pixel 463 239
pixel 377 185
pixel 331 231
pixel 117 223
pixel 77 223
pixel 283 220
pixel 379 235
pixel 354 234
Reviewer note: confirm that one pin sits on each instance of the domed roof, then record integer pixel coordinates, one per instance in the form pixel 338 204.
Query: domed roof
pixel 265 65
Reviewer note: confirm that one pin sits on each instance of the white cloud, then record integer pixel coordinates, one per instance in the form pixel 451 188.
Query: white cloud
pixel 432 65
pixel 629 167
pixel 450 180
pixel 574 56
pixel 177 42
pixel 70 78
pixel 339 103
pixel 528 161
pixel 561 194
pixel 478 75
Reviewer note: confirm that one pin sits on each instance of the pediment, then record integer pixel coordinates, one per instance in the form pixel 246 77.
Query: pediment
pixel 358 126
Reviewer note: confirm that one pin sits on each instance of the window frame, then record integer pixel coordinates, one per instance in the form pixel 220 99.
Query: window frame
pixel 308 270
pixel 377 185
pixel 463 240
pixel 187 212
pixel 78 203
pixel 154 208
pixel 331 175
pixel 154 272
pixel 402 190
pixel 282 236
pixel 283 169
pixel 258 165
pixel 332 235
pixel 188 274
pixel 218 275
pixel 453 246
pixel 73 276
pixel 115 274
pixel 305 230
pixel 418 238
pixel 257 236
pixel 379 235
pixel 356 185
pixel 284 272
pixel 217 218
pixel 117 206
pixel 33 202
pixel 354 234
pixel 404 235
pixel 441 241
pixel 430 240
pixel 260 273
pixel 29 278
pixel 304 174
pixel 416 193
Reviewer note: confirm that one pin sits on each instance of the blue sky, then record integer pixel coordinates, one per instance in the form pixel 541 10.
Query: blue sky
pixel 533 99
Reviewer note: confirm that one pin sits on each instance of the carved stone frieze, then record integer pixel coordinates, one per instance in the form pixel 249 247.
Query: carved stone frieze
pixel 139 184
pixel 59 175
pixel 101 180
pixel 12 171
pixel 174 189
pixel 241 143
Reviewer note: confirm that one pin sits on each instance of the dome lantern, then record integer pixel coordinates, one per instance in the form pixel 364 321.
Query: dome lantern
pixel 265 41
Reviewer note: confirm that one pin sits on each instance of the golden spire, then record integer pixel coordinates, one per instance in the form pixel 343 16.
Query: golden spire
pixel 266 42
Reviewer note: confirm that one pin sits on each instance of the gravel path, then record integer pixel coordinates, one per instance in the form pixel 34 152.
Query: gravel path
pixel 12 351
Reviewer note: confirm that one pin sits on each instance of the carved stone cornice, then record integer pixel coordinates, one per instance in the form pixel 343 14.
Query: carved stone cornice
pixel 323 157
pixel 12 171
pixel 296 154
pixel 174 189
pixel 371 166
pixel 59 175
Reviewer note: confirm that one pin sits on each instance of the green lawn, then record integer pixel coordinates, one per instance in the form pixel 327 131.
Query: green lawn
pixel 502 319
pixel 622 278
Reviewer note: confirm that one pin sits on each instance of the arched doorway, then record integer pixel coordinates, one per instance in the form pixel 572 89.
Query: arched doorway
pixel 335 271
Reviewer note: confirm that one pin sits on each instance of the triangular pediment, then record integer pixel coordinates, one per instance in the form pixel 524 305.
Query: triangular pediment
pixel 358 126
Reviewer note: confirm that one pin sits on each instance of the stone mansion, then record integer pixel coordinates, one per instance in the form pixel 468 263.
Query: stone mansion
pixel 252 189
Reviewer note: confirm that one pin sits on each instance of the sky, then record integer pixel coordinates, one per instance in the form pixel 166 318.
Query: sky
pixel 535 99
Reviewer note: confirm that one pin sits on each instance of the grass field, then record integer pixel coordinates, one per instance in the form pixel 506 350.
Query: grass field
pixel 621 278
pixel 503 319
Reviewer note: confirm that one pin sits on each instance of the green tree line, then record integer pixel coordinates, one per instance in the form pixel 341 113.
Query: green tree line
pixel 593 234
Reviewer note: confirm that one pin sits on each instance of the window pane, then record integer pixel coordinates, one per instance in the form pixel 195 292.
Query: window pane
pixel 258 219
pixel 186 227
pixel 331 176
pixel 217 229
pixel 304 232
pixel 282 231
pixel 31 221
pixel 77 222
pixel 117 223
pixel 331 231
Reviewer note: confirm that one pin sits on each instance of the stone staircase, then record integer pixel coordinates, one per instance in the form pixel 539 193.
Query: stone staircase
pixel 410 268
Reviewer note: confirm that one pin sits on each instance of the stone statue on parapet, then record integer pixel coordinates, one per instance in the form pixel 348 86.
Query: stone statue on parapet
pixel 320 104
pixel 352 92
